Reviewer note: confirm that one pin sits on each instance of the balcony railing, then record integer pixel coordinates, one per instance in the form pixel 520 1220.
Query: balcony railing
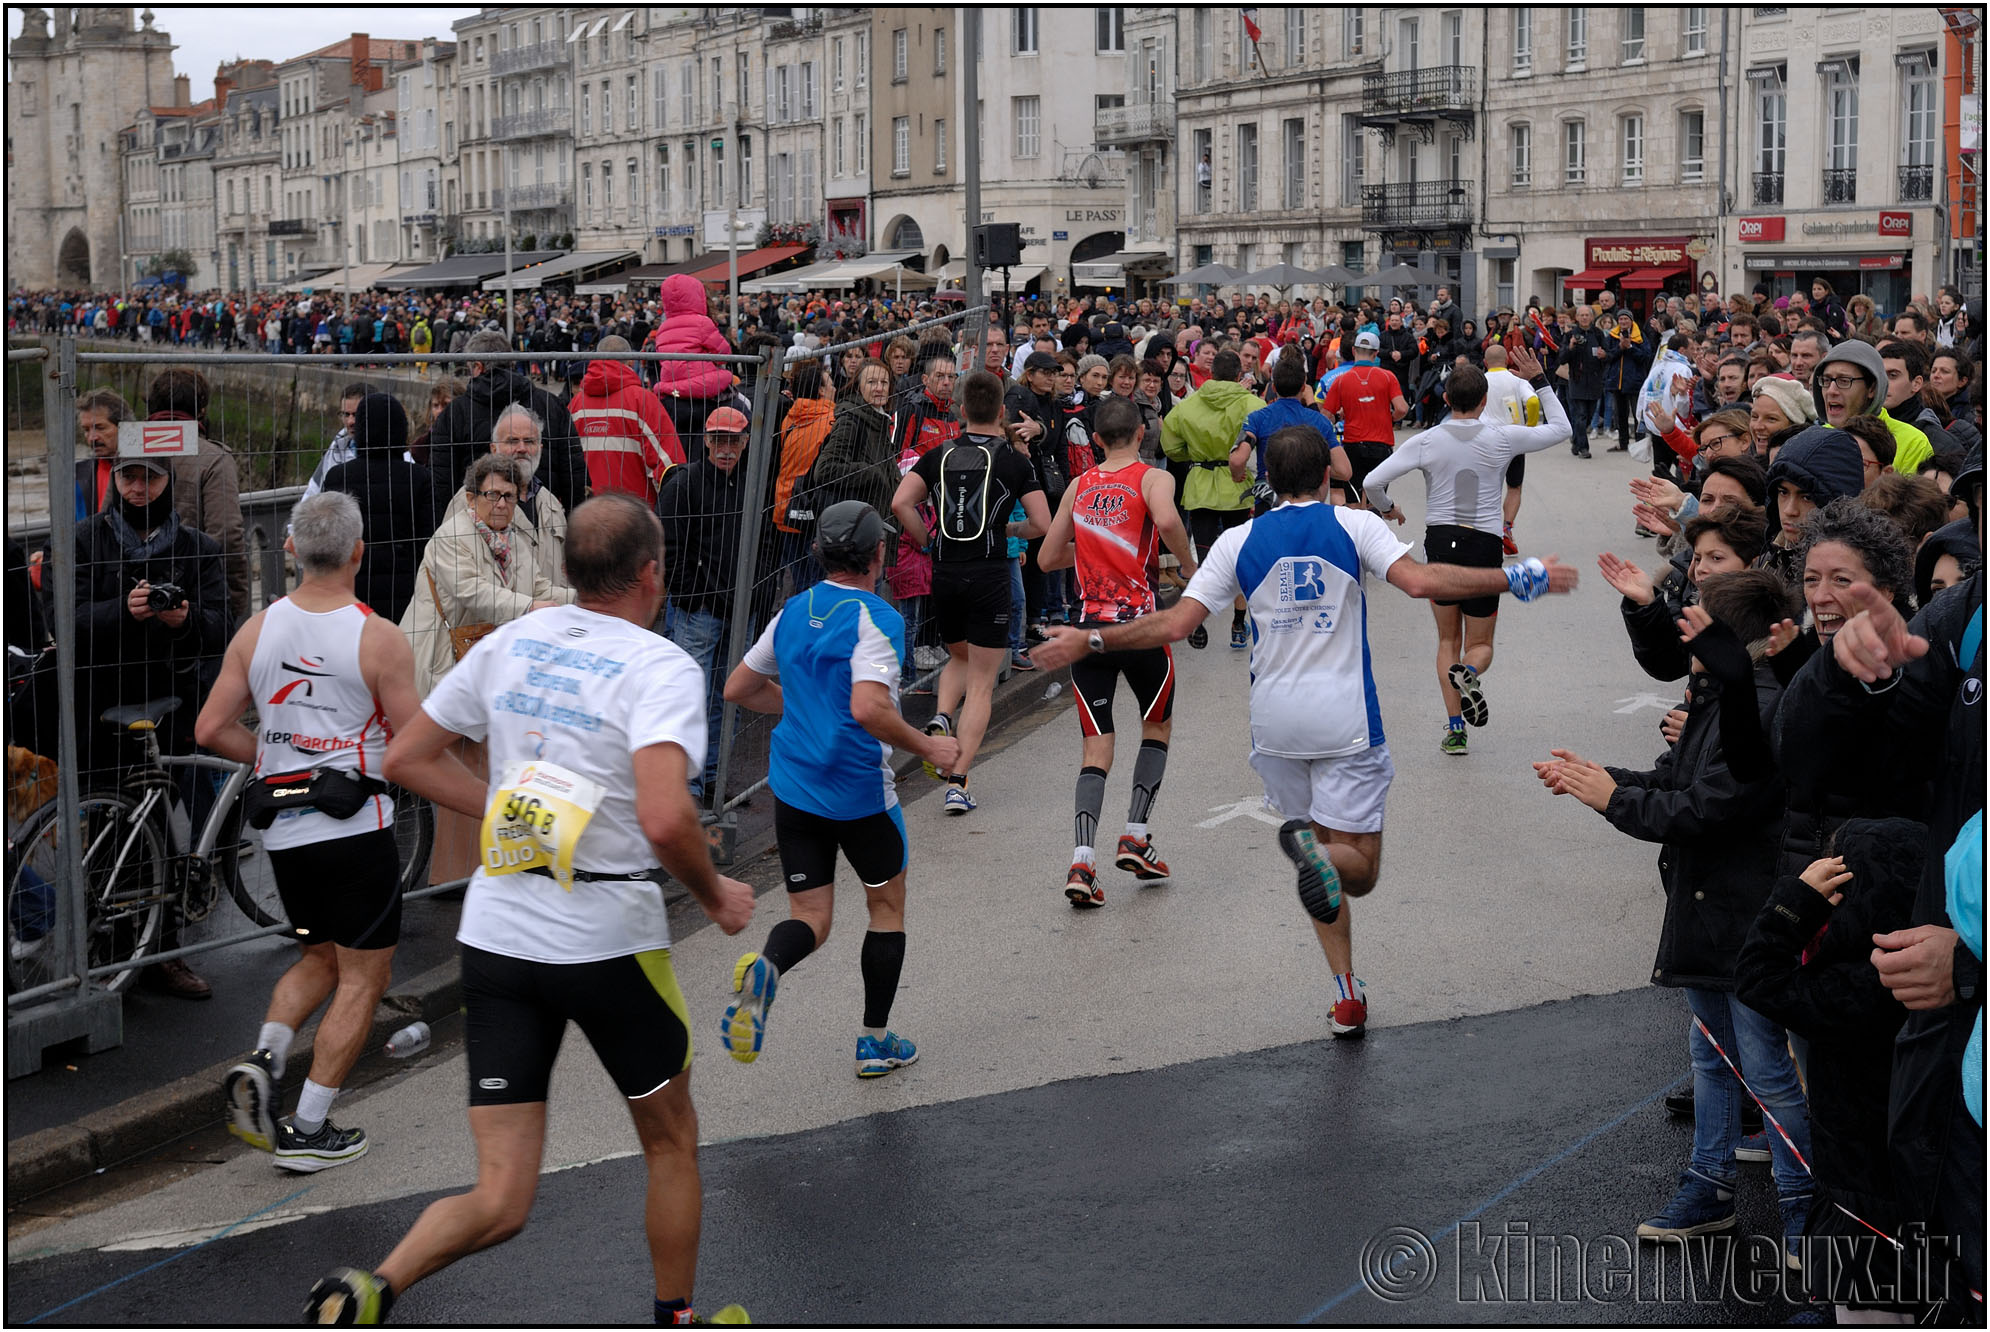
pixel 1423 203
pixel 534 124
pixel 552 194
pixel 1841 185
pixel 293 226
pixel 1917 183
pixel 525 59
pixel 1768 187
pixel 1442 88
pixel 1142 122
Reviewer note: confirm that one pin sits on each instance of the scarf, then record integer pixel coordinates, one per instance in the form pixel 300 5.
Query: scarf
pixel 158 517
pixel 500 545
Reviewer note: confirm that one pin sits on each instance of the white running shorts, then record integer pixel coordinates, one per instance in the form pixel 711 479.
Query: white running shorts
pixel 1344 794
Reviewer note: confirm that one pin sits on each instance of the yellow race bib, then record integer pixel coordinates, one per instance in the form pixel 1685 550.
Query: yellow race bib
pixel 535 818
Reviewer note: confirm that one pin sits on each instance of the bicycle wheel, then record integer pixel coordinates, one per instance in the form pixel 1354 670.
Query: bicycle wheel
pixel 414 836
pixel 243 864
pixel 126 874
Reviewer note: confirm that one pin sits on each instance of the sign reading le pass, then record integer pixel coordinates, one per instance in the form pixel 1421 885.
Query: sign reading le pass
pixel 157 439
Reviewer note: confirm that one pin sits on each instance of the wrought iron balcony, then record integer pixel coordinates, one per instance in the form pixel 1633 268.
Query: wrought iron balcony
pixel 554 120
pixel 552 194
pixel 1917 183
pixel 1416 204
pixel 1768 187
pixel 525 59
pixel 1841 185
pixel 1443 88
pixel 1141 122
pixel 293 226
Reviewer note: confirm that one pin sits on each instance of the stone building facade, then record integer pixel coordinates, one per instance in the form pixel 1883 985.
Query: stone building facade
pixel 72 89
pixel 246 165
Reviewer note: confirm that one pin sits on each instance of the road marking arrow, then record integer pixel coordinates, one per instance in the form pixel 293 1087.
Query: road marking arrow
pixel 1252 808
pixel 1639 701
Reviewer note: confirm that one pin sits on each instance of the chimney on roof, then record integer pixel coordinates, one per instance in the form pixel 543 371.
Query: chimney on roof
pixel 182 90
pixel 363 73
pixel 224 84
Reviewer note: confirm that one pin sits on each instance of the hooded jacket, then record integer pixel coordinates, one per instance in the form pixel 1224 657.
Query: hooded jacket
pixel 626 435
pixel 857 460
pixel 1824 462
pixel 1202 429
pixel 1910 444
pixel 396 507
pixel 802 433
pixel 469 423
pixel 688 328
pixel 1807 965
pixel 1958 539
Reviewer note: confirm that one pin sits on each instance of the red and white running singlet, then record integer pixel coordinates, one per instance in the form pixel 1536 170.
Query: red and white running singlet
pixel 314 710
pixel 1117 544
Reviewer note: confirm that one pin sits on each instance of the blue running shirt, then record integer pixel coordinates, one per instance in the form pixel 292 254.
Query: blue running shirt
pixel 821 642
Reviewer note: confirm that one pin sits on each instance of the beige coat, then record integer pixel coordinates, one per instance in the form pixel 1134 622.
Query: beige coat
pixel 548 536
pixel 470 590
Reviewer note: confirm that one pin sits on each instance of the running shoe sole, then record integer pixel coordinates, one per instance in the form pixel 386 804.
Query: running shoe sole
pixel 877 1068
pixel 1084 895
pixel 345 1295
pixel 249 1096
pixel 1350 1031
pixel 1648 1231
pixel 1139 866
pixel 307 1161
pixel 744 1029
pixel 1319 881
pixel 1471 696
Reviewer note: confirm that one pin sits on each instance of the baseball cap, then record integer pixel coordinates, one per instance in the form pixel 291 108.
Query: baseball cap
pixel 848 527
pixel 1040 361
pixel 156 466
pixel 1368 341
pixel 726 421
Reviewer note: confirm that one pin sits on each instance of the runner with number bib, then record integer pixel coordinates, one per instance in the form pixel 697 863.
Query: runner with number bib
pixel 594 725
pixel 828 666
pixel 1316 722
pixel 1111 524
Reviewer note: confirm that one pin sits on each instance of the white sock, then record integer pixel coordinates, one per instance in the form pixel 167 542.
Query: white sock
pixel 276 1039
pixel 875 1033
pixel 1084 855
pixel 1137 830
pixel 314 1103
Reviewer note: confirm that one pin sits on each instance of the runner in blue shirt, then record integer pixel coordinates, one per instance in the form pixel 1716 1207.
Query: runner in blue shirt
pixel 828 666
pixel 1288 381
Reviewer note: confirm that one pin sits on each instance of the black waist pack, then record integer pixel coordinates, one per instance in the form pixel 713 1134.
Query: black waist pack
pixel 334 792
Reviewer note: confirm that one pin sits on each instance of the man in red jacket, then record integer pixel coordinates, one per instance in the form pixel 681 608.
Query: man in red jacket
pixel 628 437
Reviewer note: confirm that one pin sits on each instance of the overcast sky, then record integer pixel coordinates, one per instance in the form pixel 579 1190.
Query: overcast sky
pixel 204 38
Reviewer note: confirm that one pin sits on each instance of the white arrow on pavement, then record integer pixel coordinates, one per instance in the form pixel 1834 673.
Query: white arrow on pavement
pixel 1243 809
pixel 1658 701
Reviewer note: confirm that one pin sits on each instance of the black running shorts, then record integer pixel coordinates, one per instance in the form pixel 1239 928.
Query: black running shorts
pixel 972 602
pixel 1149 671
pixel 1516 471
pixel 1205 525
pixel 1362 458
pixel 875 846
pixel 344 891
pixel 629 1008
pixel 1449 544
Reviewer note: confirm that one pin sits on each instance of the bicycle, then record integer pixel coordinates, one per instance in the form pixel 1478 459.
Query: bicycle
pixel 136 866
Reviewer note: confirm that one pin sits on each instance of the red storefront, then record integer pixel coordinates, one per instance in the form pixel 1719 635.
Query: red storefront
pixel 1636 269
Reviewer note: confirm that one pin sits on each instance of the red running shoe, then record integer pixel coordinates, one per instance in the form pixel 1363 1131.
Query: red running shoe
pixel 1082 887
pixel 1136 856
pixel 1350 1017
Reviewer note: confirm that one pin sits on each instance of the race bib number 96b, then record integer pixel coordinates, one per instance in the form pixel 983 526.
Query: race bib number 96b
pixel 536 816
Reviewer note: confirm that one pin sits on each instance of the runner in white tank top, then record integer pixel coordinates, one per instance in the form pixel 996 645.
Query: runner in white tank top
pixel 315 710
pixel 327 682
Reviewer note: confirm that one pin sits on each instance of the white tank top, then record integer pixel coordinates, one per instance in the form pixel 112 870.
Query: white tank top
pixel 314 711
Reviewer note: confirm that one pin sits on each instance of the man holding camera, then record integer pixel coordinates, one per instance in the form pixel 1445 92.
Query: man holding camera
pixel 328 681
pixel 151 622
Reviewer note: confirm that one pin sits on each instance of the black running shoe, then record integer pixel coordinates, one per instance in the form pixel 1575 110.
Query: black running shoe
pixel 1471 696
pixel 307 1154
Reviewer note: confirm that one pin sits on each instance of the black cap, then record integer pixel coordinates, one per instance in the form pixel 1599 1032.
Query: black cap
pixel 1040 361
pixel 848 527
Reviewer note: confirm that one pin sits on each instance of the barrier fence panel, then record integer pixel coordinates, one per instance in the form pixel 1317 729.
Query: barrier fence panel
pixel 126 846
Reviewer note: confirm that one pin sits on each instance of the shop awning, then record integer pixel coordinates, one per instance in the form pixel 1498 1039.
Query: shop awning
pixel 838 274
pixel 886 268
pixel 794 281
pixel 1649 279
pixel 1111 271
pixel 1591 279
pixel 1020 276
pixel 464 270
pixel 360 277
pixel 566 267
pixel 717 267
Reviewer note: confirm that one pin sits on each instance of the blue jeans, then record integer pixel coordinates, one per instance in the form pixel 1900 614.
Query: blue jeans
pixel 703 635
pixel 1018 609
pixel 1760 1049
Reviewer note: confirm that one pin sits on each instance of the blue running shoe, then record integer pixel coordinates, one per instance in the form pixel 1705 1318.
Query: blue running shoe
pixel 744 1029
pixel 878 1056
pixel 958 800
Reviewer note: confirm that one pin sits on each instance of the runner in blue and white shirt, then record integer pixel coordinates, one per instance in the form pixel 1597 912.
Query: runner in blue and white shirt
pixel 828 666
pixel 1316 724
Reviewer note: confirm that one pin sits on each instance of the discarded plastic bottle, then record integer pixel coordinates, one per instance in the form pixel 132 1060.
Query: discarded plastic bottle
pixel 1056 688
pixel 409 1041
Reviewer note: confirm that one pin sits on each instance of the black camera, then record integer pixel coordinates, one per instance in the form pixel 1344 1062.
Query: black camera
pixel 165 597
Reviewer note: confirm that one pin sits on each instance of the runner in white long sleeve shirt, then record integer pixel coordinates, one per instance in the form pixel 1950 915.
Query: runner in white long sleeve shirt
pixel 1464 460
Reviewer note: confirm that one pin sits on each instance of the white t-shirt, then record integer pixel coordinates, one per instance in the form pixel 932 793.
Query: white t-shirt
pixel 1506 398
pixel 585 691
pixel 1299 568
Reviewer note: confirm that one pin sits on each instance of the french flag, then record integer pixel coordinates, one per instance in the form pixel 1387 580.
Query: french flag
pixel 1251 24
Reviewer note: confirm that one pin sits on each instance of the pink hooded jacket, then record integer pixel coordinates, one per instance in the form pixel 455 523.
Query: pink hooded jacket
pixel 687 328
